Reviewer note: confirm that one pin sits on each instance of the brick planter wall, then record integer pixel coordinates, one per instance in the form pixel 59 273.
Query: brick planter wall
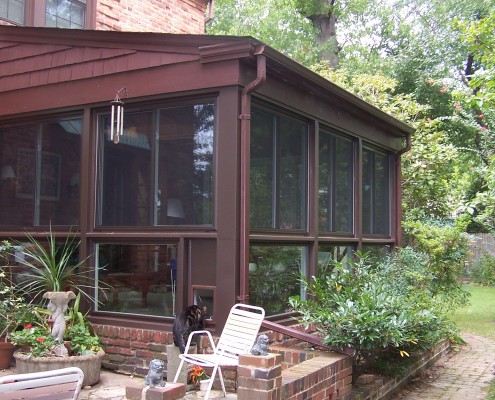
pixel 321 375
pixel 129 350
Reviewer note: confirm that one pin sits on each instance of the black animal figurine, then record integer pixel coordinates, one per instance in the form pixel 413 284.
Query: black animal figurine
pixel 189 320
pixel 260 348
pixel 155 374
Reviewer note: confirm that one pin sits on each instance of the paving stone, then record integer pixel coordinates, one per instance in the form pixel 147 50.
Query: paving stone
pixel 465 375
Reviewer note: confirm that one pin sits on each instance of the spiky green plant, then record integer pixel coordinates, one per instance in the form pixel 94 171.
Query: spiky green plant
pixel 51 266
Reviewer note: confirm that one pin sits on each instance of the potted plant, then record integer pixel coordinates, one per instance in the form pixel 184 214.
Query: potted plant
pixel 52 271
pixel 14 309
pixel 199 377
pixel 39 350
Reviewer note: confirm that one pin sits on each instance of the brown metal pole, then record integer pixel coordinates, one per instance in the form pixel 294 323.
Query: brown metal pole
pixel 245 118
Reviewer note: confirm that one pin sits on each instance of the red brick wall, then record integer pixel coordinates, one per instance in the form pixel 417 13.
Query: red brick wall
pixel 129 350
pixel 172 16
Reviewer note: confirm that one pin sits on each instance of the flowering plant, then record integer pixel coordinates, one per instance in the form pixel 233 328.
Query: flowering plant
pixel 36 338
pixel 198 374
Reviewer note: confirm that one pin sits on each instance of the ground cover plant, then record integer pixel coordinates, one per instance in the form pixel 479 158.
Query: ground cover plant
pixel 385 311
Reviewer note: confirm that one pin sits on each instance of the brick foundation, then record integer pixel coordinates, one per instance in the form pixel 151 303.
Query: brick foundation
pixel 320 375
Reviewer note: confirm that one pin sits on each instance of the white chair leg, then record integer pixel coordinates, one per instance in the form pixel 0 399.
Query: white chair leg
pixel 178 370
pixel 220 374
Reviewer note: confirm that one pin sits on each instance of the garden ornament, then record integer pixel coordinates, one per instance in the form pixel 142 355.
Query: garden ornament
pixel 155 373
pixel 260 348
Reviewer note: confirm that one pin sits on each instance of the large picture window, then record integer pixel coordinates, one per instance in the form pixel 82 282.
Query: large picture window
pixel 137 278
pixel 278 175
pixel 336 177
pixel 40 173
pixel 376 193
pixel 161 171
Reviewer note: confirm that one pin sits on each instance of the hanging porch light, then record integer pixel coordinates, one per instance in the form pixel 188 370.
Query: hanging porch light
pixel 117 116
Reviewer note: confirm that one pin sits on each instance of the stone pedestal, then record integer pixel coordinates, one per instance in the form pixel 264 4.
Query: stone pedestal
pixel 173 362
pixel 171 391
pixel 259 377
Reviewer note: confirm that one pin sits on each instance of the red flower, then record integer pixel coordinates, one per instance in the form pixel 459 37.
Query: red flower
pixel 40 339
pixel 28 326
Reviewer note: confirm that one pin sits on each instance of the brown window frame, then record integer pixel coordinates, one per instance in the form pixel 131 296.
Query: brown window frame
pixel 35 10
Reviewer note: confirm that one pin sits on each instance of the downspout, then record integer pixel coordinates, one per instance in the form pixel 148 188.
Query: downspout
pixel 245 118
pixel 398 185
pixel 211 7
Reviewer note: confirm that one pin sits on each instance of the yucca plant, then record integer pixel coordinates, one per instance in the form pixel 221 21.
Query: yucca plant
pixel 51 266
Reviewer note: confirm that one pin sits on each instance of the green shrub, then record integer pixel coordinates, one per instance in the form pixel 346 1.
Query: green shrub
pixel 447 247
pixel 382 311
pixel 483 272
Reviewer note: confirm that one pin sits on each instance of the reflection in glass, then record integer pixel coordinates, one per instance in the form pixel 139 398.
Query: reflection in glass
pixel 278 174
pixel 40 174
pixel 12 10
pixel 330 253
pixel 274 276
pixel 376 192
pixel 185 165
pixel 141 278
pixel 126 185
pixel 65 13
pixel 335 195
pixel 164 179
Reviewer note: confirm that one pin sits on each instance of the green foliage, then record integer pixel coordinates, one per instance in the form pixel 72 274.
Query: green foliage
pixel 15 310
pixel 81 340
pixel 35 339
pixel 447 247
pixel 483 272
pixel 376 309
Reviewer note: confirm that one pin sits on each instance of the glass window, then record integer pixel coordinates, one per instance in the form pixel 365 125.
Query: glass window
pixel 335 195
pixel 330 253
pixel 40 173
pixel 126 177
pixel 377 253
pixel 136 278
pixel 12 10
pixel 185 165
pixel 278 176
pixel 162 179
pixel 275 275
pixel 65 13
pixel 376 193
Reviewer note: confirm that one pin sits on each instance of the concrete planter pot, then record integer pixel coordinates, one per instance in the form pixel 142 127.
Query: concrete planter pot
pixel 90 364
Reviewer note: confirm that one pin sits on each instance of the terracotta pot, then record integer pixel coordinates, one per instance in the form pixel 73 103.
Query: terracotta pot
pixel 89 364
pixel 6 352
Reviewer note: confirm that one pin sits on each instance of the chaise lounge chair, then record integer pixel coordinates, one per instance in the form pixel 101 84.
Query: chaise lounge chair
pixel 238 337
pixel 58 384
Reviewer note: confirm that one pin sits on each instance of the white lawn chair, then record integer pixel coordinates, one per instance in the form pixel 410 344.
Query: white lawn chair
pixel 59 384
pixel 238 337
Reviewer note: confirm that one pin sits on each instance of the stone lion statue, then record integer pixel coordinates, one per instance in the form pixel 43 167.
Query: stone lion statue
pixel 260 348
pixel 155 374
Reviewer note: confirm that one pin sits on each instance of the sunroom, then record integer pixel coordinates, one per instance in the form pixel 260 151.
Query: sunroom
pixel 237 169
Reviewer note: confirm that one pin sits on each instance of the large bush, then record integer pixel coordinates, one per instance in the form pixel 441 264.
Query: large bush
pixel 483 272
pixel 383 310
pixel 447 246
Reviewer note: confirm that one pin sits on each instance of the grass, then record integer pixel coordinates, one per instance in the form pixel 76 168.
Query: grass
pixel 479 316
